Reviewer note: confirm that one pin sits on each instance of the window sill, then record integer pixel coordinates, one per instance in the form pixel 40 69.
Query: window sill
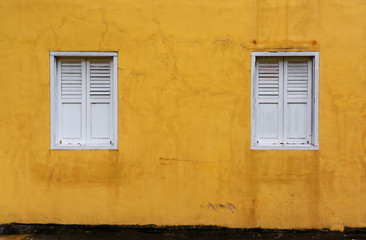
pixel 284 147
pixel 89 147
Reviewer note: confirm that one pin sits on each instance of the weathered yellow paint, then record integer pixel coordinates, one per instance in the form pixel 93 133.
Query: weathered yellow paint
pixel 184 152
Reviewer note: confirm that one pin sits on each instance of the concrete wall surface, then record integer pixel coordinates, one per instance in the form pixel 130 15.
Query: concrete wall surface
pixel 184 157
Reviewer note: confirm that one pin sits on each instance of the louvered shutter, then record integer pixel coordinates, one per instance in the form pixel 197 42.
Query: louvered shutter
pixel 99 97
pixel 297 98
pixel 71 110
pixel 268 98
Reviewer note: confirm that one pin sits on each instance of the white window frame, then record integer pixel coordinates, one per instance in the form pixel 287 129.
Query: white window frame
pixel 315 132
pixel 53 96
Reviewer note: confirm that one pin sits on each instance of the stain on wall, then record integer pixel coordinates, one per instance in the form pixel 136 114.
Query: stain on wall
pixel 184 154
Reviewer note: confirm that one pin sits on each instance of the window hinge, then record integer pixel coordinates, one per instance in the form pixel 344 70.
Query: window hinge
pixel 111 142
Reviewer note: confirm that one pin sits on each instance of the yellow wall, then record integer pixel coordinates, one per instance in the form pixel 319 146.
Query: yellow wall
pixel 184 152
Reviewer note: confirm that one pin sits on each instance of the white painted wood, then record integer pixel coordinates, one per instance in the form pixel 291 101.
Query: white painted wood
pixel 297 99
pixel 74 102
pixel 71 114
pixel 267 123
pixel 268 89
pixel 84 147
pixel 83 54
pixel 59 105
pixel 71 102
pixel 53 104
pixel 100 122
pixel 300 107
pixel 83 101
pixel 285 103
pixel 315 103
pixel 99 105
pixel 253 101
pixel 100 72
pixel 286 54
pixel 114 98
pixel 71 79
pixel 309 102
pixel 296 125
pixel 285 147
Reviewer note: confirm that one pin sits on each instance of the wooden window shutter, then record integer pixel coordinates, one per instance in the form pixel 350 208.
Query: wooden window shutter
pixel 71 115
pixel 99 97
pixel 268 98
pixel 297 98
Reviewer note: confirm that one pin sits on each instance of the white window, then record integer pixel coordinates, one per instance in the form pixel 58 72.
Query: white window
pixel 285 100
pixel 83 100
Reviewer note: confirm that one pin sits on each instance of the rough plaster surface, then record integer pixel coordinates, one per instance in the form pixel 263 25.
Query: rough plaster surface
pixel 184 154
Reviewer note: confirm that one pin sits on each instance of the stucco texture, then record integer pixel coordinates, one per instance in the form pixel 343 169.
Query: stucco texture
pixel 184 118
